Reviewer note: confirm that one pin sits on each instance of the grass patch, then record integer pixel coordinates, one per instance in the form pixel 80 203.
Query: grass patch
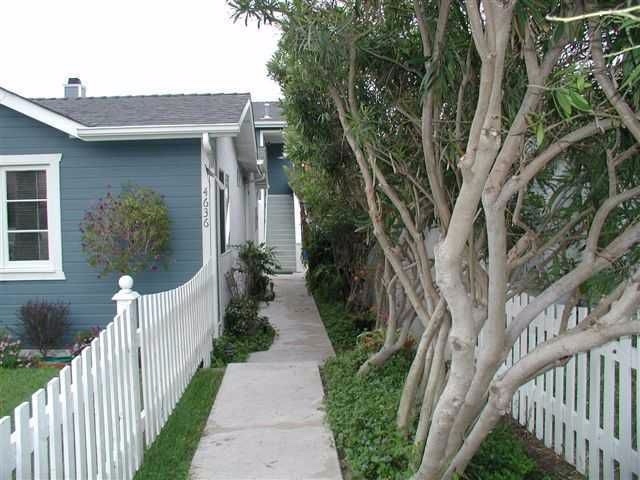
pixel 18 384
pixel 362 415
pixel 237 348
pixel 170 455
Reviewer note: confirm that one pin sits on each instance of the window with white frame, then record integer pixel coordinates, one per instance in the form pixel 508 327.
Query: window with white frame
pixel 30 237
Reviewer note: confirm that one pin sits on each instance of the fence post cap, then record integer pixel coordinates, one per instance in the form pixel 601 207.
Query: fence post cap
pixel 125 283
pixel 126 290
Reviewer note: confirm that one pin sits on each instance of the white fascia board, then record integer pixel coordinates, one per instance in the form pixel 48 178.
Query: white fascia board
pixel 247 108
pixel 39 113
pixel 270 123
pixel 155 132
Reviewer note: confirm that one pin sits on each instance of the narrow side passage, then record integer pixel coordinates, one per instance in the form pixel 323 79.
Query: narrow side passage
pixel 301 334
pixel 268 420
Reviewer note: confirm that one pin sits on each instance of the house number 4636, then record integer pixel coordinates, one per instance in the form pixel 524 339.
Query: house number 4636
pixel 205 207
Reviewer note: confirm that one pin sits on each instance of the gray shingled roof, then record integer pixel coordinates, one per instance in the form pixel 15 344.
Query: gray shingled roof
pixel 150 109
pixel 275 112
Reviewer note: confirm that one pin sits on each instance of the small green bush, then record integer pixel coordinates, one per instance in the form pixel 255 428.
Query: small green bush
pixel 127 233
pixel 502 456
pixel 245 332
pixel 326 281
pixel 232 349
pixel 258 263
pixel 342 327
pixel 241 317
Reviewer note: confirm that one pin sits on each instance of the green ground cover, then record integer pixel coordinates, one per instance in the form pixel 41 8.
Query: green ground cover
pixel 361 412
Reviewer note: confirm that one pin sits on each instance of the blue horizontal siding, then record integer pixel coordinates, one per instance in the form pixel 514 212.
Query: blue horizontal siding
pixel 87 170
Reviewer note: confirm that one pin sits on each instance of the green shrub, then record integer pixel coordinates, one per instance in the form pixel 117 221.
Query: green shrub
pixel 232 349
pixel 258 262
pixel 245 332
pixel 241 317
pixel 343 327
pixel 127 233
pixel 502 456
pixel 327 282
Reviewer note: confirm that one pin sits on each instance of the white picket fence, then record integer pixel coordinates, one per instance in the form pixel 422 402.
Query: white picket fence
pixel 95 419
pixel 588 411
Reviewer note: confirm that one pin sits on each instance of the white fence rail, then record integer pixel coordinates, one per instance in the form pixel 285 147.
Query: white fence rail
pixel 588 411
pixel 95 419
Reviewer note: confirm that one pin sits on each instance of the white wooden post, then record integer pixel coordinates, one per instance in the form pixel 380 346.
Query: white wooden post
pixel 127 305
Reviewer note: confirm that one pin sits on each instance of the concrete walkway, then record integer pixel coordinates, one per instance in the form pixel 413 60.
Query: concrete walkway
pixel 268 422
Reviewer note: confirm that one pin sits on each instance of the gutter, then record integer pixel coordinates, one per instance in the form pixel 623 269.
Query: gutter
pixel 270 123
pixel 154 132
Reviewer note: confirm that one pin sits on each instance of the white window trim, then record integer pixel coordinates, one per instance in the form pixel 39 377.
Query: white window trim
pixel 37 270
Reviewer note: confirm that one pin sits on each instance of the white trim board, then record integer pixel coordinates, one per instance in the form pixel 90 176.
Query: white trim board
pixel 153 132
pixel 38 112
pixel 270 123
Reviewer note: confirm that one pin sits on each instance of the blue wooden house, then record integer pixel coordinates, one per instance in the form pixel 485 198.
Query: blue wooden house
pixel 59 155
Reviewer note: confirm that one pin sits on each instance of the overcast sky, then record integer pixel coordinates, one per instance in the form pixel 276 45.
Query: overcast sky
pixel 132 47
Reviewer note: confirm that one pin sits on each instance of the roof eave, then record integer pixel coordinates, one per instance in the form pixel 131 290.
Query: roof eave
pixel 37 112
pixel 157 132
pixel 270 123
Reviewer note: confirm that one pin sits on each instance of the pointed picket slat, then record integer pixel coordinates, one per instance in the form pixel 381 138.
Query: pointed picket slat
pixel 6 459
pixel 98 408
pixel 88 410
pixel 40 435
pixel 54 417
pixel 23 441
pixel 68 438
pixel 145 366
pixel 107 417
pixel 78 418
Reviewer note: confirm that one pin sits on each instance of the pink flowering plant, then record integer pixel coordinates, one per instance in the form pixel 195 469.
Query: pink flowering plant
pixel 10 353
pixel 127 233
